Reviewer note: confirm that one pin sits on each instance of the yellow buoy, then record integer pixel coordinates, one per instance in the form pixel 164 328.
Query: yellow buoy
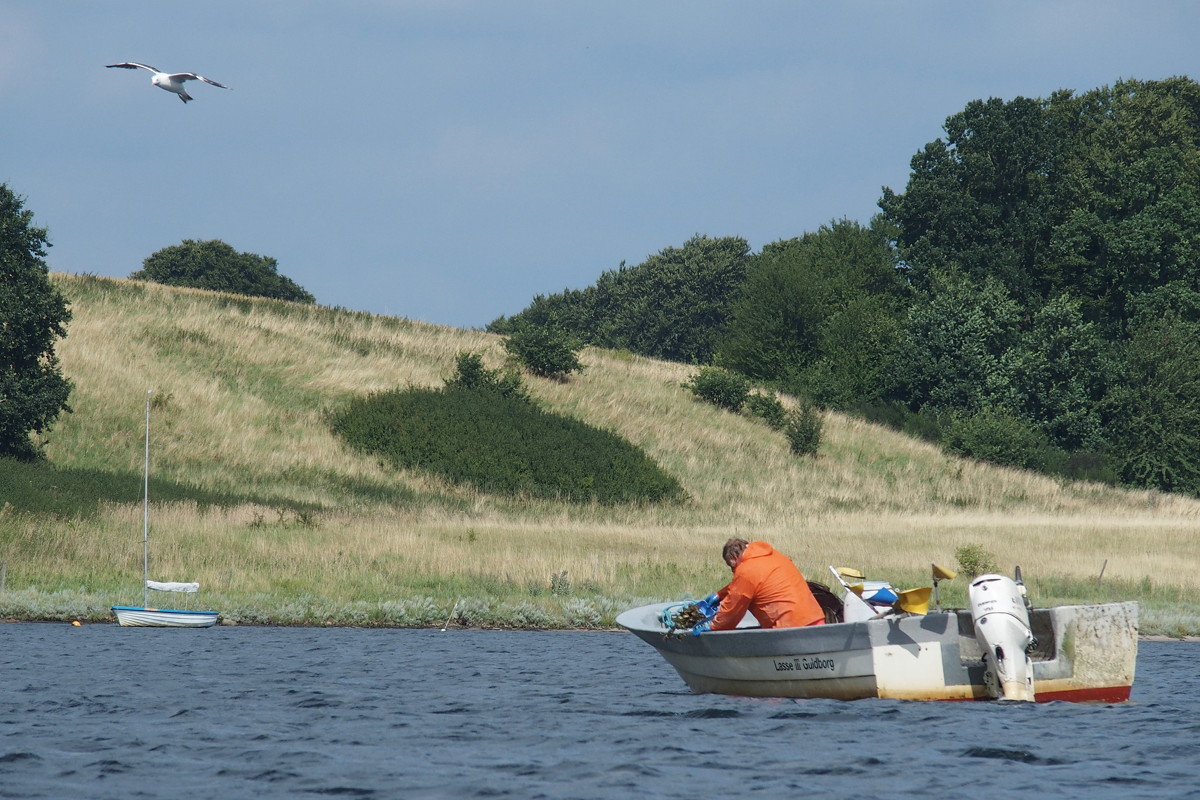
pixel 75 623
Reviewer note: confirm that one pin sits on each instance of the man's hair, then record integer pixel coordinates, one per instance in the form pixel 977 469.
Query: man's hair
pixel 733 549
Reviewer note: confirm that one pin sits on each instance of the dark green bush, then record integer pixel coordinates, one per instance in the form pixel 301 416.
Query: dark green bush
pixel 767 408
pixel 472 374
pixel 803 430
pixel 544 350
pixel 1000 438
pixel 215 265
pixel 502 444
pixel 722 388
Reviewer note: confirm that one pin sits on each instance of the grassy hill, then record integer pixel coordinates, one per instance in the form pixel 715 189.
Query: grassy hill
pixel 254 497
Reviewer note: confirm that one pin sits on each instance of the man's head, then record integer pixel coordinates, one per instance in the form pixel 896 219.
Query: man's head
pixel 733 551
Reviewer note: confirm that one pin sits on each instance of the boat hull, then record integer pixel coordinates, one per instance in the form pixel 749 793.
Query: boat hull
pixel 135 617
pixel 1083 653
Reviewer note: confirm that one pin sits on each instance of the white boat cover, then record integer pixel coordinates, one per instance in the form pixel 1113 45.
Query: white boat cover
pixel 168 586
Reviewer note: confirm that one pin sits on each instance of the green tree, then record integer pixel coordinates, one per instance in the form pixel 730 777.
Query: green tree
pixel 672 306
pixel 1128 198
pixel 976 201
pixel 1053 376
pixel 858 347
pixel 33 314
pixel 1095 194
pixel 1176 298
pixel 216 266
pixel 1152 410
pixel 954 339
pixel 1084 211
pixel 819 314
pixel 571 310
pixel 675 305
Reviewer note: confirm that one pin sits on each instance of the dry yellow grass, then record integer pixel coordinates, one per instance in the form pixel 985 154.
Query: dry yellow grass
pixel 242 387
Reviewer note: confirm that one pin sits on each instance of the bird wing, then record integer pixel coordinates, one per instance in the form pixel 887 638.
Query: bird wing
pixel 191 76
pixel 134 65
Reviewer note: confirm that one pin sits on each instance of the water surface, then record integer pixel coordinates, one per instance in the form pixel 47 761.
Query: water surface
pixel 229 712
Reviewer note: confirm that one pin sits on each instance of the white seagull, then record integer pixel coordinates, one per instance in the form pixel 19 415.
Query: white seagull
pixel 171 81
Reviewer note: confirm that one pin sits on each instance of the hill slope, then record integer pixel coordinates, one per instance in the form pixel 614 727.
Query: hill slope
pixel 312 531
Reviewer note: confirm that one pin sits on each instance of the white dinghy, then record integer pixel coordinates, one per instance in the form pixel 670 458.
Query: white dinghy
pixel 143 616
pixel 1000 648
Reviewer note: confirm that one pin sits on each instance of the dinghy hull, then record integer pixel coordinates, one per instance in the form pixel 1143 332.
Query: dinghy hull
pixel 134 617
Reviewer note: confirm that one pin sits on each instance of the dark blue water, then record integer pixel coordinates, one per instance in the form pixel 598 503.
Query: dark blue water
pixel 108 712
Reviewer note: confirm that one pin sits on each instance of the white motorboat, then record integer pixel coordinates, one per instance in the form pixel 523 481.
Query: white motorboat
pixel 142 616
pixel 998 649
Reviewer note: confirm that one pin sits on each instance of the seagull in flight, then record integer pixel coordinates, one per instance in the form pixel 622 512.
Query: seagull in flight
pixel 171 81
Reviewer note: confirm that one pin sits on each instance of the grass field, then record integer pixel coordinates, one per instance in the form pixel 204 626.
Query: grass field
pixel 255 498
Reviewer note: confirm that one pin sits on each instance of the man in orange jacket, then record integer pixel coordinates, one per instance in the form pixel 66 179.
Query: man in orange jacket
pixel 766 583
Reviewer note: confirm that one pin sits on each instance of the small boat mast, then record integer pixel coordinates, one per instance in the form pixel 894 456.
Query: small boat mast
pixel 146 510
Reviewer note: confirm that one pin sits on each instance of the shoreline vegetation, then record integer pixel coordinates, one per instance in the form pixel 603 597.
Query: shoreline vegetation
pixel 283 524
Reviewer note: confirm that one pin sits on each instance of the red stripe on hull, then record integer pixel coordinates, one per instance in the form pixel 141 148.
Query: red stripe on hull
pixel 1107 694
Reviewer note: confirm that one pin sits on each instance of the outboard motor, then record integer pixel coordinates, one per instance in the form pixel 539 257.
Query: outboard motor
pixel 1002 628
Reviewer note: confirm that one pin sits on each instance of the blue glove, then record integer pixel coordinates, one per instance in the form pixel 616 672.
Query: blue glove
pixel 701 627
pixel 709 605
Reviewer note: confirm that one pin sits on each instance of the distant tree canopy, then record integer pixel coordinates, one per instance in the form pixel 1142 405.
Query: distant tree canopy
pixel 1153 406
pixel 819 315
pixel 216 266
pixel 33 314
pixel 1055 249
pixel 672 306
pixel 1095 195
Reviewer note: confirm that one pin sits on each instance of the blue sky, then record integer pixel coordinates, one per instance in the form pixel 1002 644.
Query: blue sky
pixel 448 160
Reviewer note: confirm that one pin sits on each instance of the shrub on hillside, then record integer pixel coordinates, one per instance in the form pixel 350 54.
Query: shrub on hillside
pixel 1000 438
pixel 803 430
pixel 544 350
pixel 502 444
pixel 216 266
pixel 974 560
pixel 767 408
pixel 722 388
pixel 472 374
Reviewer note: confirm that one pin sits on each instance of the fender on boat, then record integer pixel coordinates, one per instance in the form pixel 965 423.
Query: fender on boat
pixel 1002 628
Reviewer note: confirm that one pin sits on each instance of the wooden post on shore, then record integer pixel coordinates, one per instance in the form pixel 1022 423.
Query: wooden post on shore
pixel 1101 575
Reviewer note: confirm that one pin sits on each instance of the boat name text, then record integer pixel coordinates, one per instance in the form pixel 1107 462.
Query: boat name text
pixel 806 664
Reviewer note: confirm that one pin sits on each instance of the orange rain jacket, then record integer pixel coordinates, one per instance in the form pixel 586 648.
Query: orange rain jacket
pixel 771 587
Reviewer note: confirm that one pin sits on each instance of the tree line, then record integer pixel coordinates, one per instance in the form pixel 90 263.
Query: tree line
pixel 1032 296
